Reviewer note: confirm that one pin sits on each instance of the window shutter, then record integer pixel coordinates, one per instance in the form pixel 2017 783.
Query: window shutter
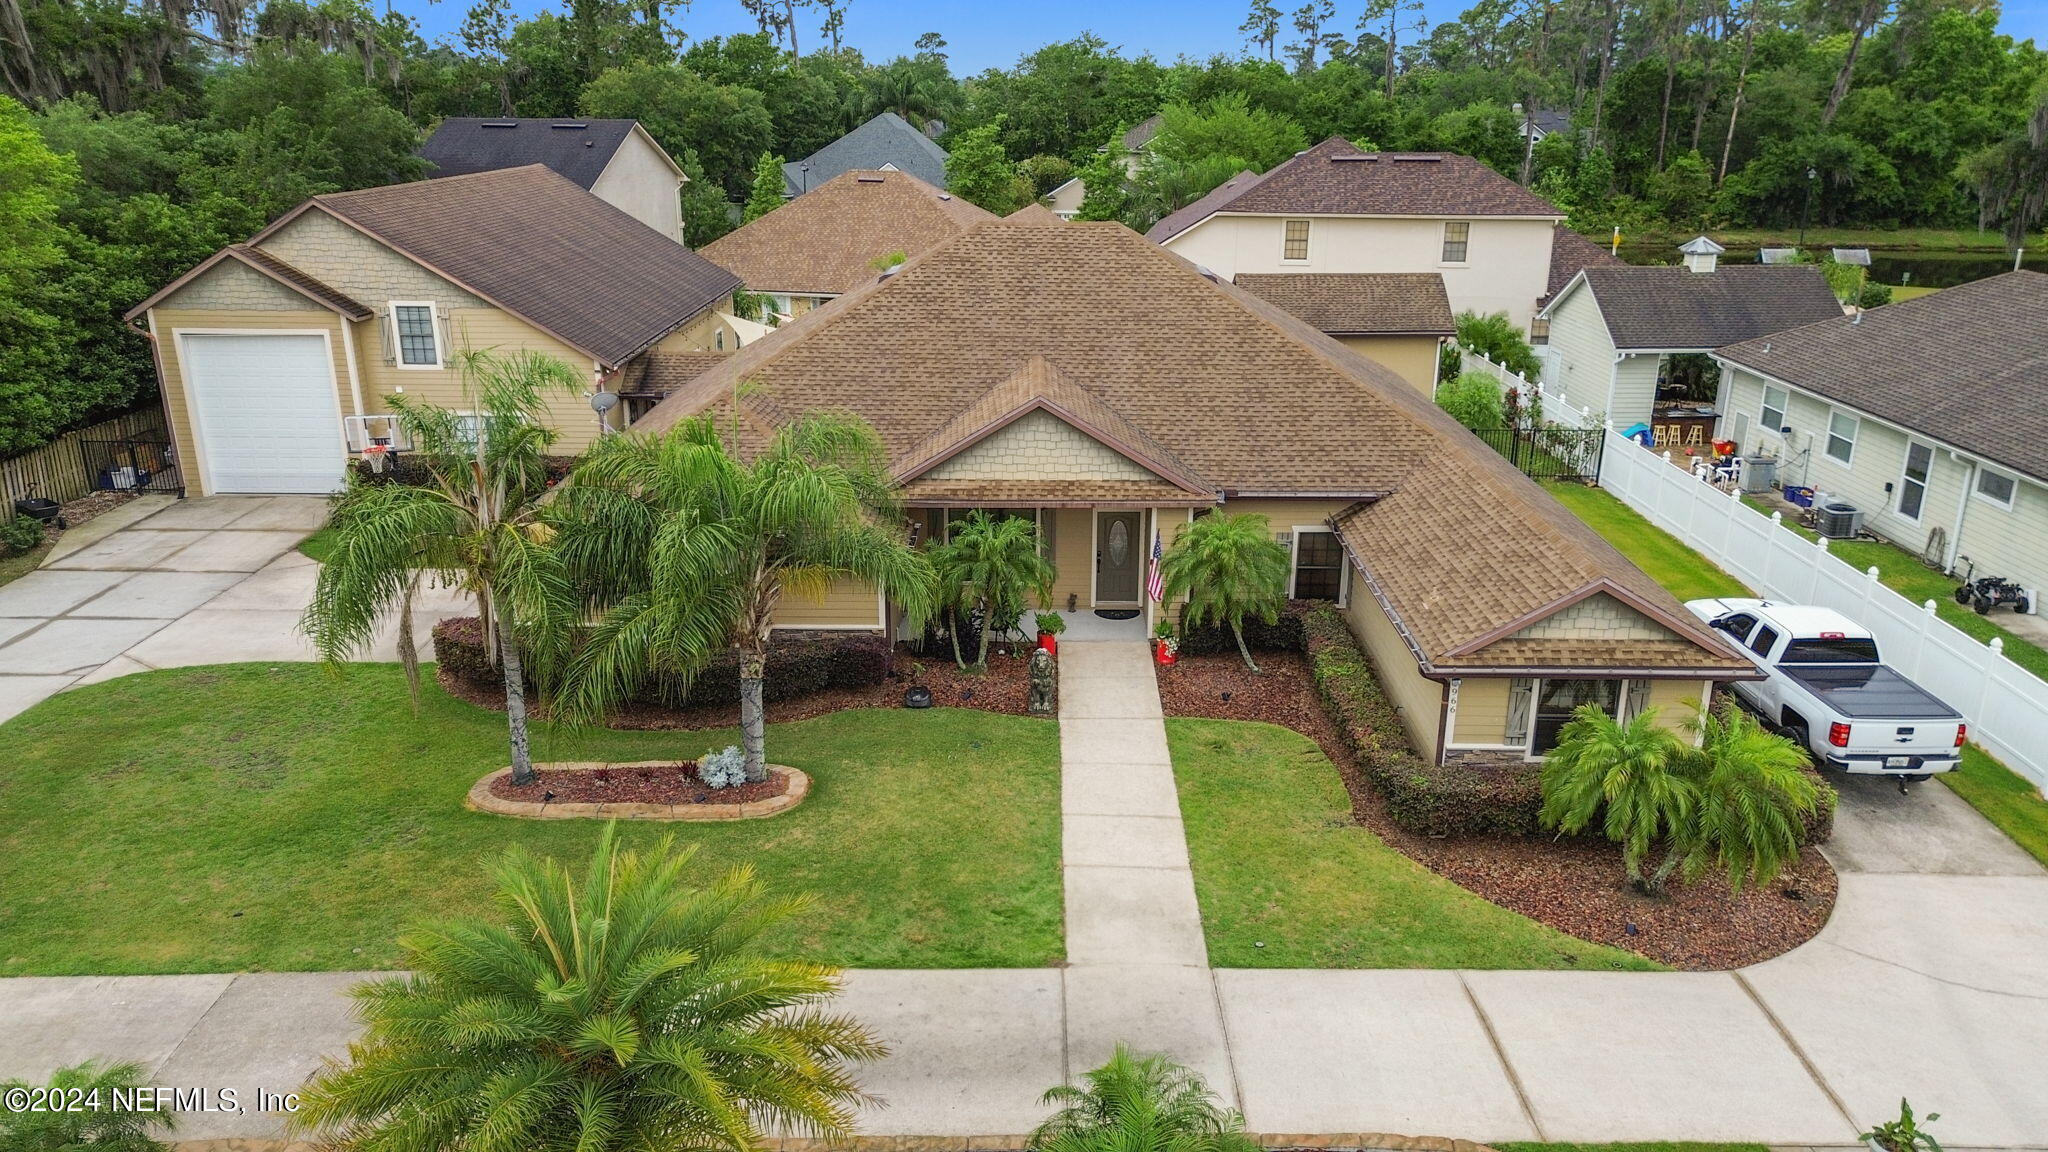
pixel 387 326
pixel 1635 697
pixel 1521 698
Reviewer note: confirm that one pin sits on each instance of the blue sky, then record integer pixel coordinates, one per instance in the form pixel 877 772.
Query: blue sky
pixel 982 34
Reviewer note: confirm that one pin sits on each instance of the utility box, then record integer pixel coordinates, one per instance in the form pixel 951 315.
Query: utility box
pixel 1757 473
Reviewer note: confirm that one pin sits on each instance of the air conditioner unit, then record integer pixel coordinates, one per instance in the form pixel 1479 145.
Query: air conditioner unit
pixel 1758 473
pixel 1837 520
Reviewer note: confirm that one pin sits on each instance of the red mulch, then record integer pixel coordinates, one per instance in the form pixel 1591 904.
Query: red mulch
pixel 1572 884
pixel 668 784
pixel 1004 688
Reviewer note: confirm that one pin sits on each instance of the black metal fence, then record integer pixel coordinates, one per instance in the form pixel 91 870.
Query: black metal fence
pixel 131 464
pixel 1549 453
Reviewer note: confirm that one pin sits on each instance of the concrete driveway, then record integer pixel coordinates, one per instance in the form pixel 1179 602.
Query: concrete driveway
pixel 165 583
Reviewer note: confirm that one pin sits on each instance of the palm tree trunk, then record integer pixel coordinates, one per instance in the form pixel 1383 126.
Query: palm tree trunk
pixel 408 649
pixel 953 633
pixel 988 613
pixel 753 713
pixel 515 710
pixel 1237 631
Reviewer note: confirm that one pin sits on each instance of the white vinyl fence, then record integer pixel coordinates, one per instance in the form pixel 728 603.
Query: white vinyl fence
pixel 2006 705
pixel 1556 409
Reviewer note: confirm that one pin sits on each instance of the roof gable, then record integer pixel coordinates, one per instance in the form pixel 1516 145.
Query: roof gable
pixel 887 141
pixel 826 241
pixel 578 150
pixel 1359 303
pixel 271 269
pixel 1677 309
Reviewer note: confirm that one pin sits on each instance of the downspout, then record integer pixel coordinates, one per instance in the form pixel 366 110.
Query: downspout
pixel 1955 540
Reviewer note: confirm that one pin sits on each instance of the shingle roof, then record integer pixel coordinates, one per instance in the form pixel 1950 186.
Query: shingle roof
pixel 888 140
pixel 1181 219
pixel 1142 132
pixel 1335 178
pixel 1359 303
pixel 657 374
pixel 1964 365
pixel 536 245
pixel 267 265
pixel 826 240
pixel 578 149
pixel 1570 252
pixel 1677 308
pixel 1244 396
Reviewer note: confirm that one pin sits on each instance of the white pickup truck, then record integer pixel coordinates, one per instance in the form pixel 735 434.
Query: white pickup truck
pixel 1826 687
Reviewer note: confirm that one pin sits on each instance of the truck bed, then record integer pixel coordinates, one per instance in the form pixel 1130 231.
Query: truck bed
pixel 1869 691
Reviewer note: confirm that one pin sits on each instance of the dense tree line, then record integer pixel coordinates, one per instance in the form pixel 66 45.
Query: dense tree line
pixel 136 137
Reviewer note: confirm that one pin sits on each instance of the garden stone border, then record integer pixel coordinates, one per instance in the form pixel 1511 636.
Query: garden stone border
pixel 481 799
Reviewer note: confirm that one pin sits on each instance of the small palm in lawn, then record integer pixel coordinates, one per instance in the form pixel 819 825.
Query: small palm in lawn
pixel 1754 796
pixel 1630 775
pixel 475 524
pixel 104 1127
pixel 687 549
pixel 620 1009
pixel 1229 568
pixel 992 563
pixel 1140 1104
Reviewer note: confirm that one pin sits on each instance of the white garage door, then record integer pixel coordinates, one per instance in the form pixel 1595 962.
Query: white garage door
pixel 267 414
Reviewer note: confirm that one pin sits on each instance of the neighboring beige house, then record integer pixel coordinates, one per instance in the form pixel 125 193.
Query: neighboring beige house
pixel 614 160
pixel 834 237
pixel 1613 331
pixel 1396 319
pixel 276 357
pixel 1334 208
pixel 1078 376
pixel 1065 200
pixel 1927 415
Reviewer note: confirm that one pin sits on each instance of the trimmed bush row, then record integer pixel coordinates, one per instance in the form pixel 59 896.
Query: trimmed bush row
pixel 1283 635
pixel 798 665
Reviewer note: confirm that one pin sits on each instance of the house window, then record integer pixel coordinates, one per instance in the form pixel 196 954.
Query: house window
pixel 1457 241
pixel 1774 409
pixel 1996 487
pixel 1318 566
pixel 1841 436
pixel 1913 484
pixel 1556 700
pixel 417 342
pixel 1295 247
pixel 1539 330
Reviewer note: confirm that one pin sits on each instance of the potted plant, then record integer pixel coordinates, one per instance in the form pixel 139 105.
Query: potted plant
pixel 1050 625
pixel 1903 1134
pixel 1164 646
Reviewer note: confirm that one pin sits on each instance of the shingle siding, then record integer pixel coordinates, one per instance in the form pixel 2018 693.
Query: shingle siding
pixel 232 286
pixel 337 254
pixel 1043 447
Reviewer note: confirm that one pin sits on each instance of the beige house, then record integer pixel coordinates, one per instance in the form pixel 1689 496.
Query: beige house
pixel 276 357
pixel 1065 200
pixel 1396 319
pixel 1335 209
pixel 839 235
pixel 614 160
pixel 1078 376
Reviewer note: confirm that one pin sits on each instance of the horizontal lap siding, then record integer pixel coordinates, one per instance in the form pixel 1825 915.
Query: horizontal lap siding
pixel 1482 710
pixel 1578 337
pixel 848 604
pixel 1419 699
pixel 1073 555
pixel 1412 358
pixel 169 321
pixel 2012 543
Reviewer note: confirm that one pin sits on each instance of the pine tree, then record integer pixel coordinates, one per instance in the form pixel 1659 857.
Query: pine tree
pixel 768 188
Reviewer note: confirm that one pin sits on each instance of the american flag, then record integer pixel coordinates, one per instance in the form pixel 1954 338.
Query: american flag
pixel 1155 584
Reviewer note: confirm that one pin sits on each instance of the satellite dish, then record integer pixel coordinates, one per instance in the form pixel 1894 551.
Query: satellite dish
pixel 603 402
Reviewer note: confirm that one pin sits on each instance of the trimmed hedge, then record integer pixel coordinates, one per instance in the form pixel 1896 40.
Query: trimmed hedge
pixel 798 665
pixel 1283 635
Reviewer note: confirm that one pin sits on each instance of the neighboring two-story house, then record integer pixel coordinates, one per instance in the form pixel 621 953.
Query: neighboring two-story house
pixel 886 143
pixel 275 357
pixel 1336 209
pixel 614 160
pixel 1927 415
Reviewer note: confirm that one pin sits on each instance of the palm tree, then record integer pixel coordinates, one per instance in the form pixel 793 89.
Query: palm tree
pixel 1229 567
pixel 687 549
pixel 1754 796
pixel 1141 1104
pixel 474 523
pixel 619 1009
pixel 111 1124
pixel 1631 774
pixel 990 563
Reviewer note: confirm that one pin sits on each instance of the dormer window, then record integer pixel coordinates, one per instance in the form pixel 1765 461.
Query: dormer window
pixel 418 341
pixel 1295 244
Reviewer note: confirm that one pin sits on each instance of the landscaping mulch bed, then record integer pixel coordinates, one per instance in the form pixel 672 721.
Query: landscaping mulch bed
pixel 76 512
pixel 668 784
pixel 1004 688
pixel 1572 884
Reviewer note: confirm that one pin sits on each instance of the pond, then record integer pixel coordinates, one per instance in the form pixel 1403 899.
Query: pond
pixel 1922 267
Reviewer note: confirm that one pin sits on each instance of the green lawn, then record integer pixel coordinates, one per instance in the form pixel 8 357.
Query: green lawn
pixel 319 544
pixel 2006 798
pixel 283 818
pixel 1685 572
pixel 1903 292
pixel 18 564
pixel 1279 862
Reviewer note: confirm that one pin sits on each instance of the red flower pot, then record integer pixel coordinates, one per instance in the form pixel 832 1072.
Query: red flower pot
pixel 1164 652
pixel 1050 643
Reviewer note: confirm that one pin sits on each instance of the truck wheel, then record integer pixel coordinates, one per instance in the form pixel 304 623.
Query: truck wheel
pixel 1798 734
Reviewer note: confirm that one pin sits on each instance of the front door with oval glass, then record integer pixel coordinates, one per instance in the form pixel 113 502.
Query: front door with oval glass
pixel 1118 553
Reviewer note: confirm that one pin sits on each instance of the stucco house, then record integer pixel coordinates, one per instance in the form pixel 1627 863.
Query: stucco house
pixel 1623 338
pixel 613 160
pixel 1396 319
pixel 829 239
pixel 1334 208
pixel 886 143
pixel 1078 376
pixel 1926 414
pixel 275 357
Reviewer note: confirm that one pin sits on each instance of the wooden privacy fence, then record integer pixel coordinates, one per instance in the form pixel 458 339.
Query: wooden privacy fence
pixel 2006 705
pixel 73 464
